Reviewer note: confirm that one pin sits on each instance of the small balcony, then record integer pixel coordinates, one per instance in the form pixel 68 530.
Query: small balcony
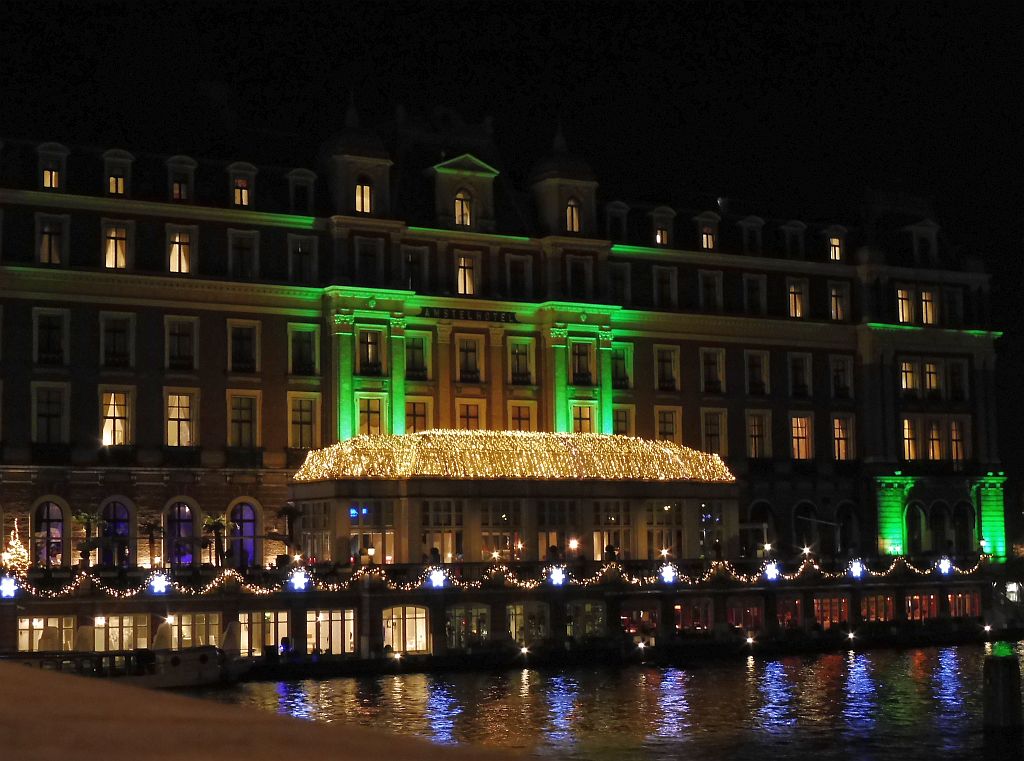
pixel 416 373
pixel 468 375
pixel 667 384
pixel 181 364
pixel 116 360
pixel 620 382
pixel 117 456
pixel 243 364
pixel 181 457
pixel 303 368
pixel 51 454
pixel 370 369
pixel 522 379
pixel 583 378
pixel 757 388
pixel 712 386
pixel 50 358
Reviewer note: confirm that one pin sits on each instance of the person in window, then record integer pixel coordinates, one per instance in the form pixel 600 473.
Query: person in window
pixel 435 556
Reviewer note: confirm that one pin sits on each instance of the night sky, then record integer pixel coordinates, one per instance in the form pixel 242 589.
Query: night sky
pixel 798 109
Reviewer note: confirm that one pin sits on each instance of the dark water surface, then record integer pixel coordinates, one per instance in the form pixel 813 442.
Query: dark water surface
pixel 881 704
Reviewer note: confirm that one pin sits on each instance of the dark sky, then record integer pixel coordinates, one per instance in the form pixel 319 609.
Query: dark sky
pixel 800 107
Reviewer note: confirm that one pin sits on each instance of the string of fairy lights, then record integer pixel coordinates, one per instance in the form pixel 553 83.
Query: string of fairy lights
pixel 459 454
pixel 666 575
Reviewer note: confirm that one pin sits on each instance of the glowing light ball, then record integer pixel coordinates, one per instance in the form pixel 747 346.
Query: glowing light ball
pixel 437 578
pixel 856 569
pixel 668 574
pixel 8 586
pixel 945 566
pixel 771 571
pixel 557 576
pixel 158 584
pixel 298 580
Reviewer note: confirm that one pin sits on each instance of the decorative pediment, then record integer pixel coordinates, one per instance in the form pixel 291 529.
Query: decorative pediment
pixel 466 164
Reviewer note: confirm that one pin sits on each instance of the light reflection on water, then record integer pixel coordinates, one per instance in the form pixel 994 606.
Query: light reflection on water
pixel 874 706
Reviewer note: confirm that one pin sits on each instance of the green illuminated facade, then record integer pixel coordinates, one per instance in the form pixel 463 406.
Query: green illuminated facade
pixel 844 372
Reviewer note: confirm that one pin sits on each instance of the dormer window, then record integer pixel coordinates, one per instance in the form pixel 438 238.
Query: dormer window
pixel 117 166
pixel 615 219
pixel 835 248
pixel 364 196
pixel 662 219
pixel 300 190
pixel 661 236
pixel 241 191
pixel 925 241
pixel 572 216
pixel 180 174
pixel 707 237
pixel 463 209
pixel 793 237
pixel 751 229
pixel 51 166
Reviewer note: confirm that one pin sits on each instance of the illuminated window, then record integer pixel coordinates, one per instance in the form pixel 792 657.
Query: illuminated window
pixel 51 178
pixel 46 633
pixel 904 305
pixel 466 281
pixel 661 236
pixel 758 434
pixel 956 441
pixel 330 632
pixel 261 631
pixel 908 377
pixel 113 633
pixel 797 290
pixel 370 416
pixel 463 209
pixel 240 191
pixel 842 437
pixel 835 248
pixel 572 216
pixel 115 249
pixel 51 240
pixel 180 252
pixel 931 379
pixel 520 417
pixel 469 416
pixel 179 188
pixel 180 420
pixel 909 439
pixel 707 237
pixel 582 418
pixel 190 630
pixel 839 300
pixel 115 185
pixel 406 629
pixel 114 424
pixel 929 314
pixel 934 440
pixel 302 421
pixel 48 535
pixel 800 434
pixel 364 196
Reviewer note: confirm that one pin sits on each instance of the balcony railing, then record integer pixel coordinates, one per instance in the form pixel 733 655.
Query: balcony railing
pixel 182 364
pixel 583 378
pixel 712 386
pixel 666 384
pixel 467 375
pixel 620 381
pixel 522 379
pixel 116 360
pixel 757 388
pixel 243 364
pixel 371 369
pixel 416 373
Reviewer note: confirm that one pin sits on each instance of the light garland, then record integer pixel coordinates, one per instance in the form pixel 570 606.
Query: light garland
pixel 457 454
pixel 439 577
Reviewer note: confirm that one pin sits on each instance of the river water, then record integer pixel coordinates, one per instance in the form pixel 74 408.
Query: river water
pixel 881 704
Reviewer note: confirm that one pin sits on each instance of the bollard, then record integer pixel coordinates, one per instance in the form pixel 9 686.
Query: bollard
pixel 1002 693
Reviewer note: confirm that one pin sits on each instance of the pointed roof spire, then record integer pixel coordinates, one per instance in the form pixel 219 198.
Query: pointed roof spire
pixel 351 115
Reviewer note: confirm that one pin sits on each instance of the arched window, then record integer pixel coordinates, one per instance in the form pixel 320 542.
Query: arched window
pixel 48 535
pixel 180 534
pixel 963 529
pixel 463 209
pixel 364 196
pixel 115 531
pixel 848 531
pixel 805 527
pixel 760 530
pixel 572 216
pixel 242 532
pixel 407 629
pixel 915 529
pixel 938 525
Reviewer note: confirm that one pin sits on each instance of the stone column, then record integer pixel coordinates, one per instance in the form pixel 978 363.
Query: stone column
pixel 438 625
pixel 604 346
pixel 496 376
pixel 344 415
pixel 558 380
pixel 397 373
pixel 369 622
pixel 443 365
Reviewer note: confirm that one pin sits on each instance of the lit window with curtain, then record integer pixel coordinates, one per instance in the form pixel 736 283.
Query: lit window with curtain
pixel 797 298
pixel 929 313
pixel 115 430
pixel 364 196
pixel 115 248
pixel 469 416
pixel 904 305
pixel 572 216
pixel 582 418
pixel 241 191
pixel 842 446
pixel 180 253
pixel 909 439
pixel 800 433
pixel 956 441
pixel 707 238
pixel 51 241
pixel 115 184
pixel 51 177
pixel 835 248
pixel 369 417
pixel 934 440
pixel 908 377
pixel 179 420
pixel 463 209
pixel 466 276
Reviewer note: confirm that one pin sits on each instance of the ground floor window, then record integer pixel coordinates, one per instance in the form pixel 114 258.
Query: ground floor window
pixel 468 625
pixel 964 604
pixel 922 606
pixel 261 631
pixel 331 632
pixel 121 632
pixel 877 608
pixel 527 622
pixel 406 629
pixel 194 629
pixel 744 613
pixel 584 619
pixel 381 542
pixel 695 614
pixel 790 612
pixel 46 634
pixel 831 611
pixel 442 546
pixel 640 622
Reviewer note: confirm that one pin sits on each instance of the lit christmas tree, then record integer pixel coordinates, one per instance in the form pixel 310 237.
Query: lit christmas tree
pixel 15 557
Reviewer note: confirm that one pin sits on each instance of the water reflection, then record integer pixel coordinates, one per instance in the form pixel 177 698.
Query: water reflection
pixel 878 705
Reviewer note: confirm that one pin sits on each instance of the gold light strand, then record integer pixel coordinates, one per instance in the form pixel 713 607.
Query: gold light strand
pixel 457 454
